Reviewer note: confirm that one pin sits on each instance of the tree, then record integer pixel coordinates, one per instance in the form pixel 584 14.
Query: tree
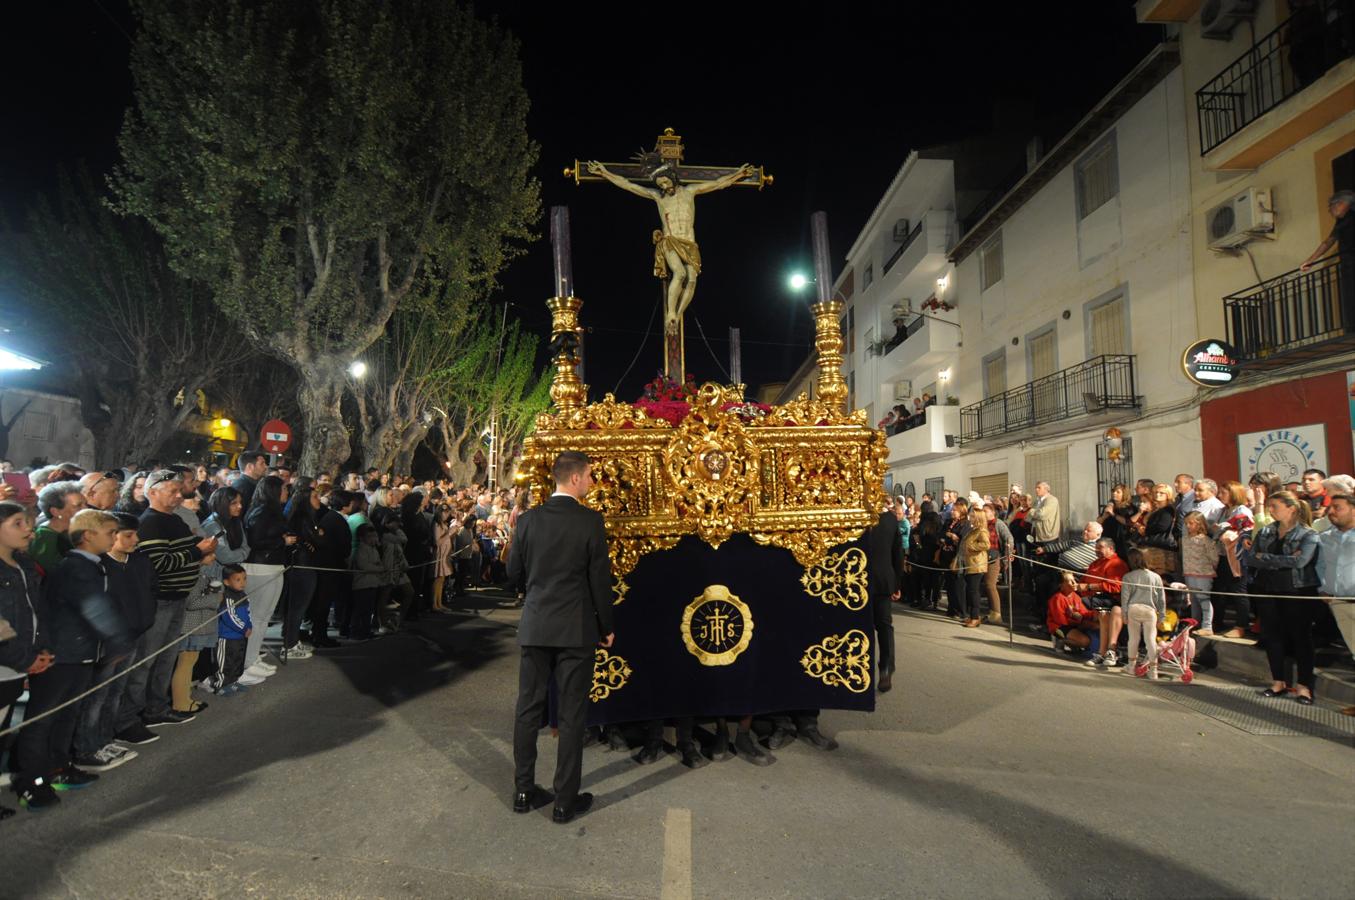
pixel 493 373
pixel 311 160
pixel 407 371
pixel 264 390
pixel 98 291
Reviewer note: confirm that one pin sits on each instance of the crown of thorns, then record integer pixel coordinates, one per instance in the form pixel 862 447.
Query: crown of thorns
pixel 653 164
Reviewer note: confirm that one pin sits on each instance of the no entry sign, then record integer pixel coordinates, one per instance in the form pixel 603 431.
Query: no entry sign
pixel 277 436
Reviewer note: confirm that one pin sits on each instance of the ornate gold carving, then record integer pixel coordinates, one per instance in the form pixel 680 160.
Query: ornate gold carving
pixel 816 478
pixel 717 626
pixel 712 467
pixel 715 475
pixel 626 551
pixel 840 580
pixel 840 660
pixel 619 591
pixel 607 414
pixel 566 390
pixel 828 342
pixel 610 673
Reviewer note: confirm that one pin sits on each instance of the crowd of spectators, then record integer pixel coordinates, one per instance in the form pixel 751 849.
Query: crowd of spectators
pixel 128 597
pixel 1262 562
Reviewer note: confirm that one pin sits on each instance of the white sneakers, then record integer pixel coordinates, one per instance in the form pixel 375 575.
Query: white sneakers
pixel 299 651
pixel 250 680
pixel 259 671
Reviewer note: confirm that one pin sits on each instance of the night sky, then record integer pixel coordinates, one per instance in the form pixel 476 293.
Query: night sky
pixel 830 98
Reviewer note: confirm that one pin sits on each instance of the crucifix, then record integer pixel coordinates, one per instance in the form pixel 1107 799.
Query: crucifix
pixel 660 176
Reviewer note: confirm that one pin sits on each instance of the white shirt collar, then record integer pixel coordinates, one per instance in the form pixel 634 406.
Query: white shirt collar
pixel 563 494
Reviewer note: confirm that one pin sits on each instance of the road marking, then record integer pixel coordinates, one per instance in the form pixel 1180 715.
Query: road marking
pixel 677 855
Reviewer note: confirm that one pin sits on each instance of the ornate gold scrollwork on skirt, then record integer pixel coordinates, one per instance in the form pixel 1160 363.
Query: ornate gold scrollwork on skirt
pixel 610 673
pixel 840 580
pixel 840 660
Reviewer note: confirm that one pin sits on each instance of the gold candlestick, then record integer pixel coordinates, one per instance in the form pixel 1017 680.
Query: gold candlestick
pixel 832 388
pixel 566 389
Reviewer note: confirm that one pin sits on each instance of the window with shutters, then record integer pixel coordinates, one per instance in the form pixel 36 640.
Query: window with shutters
pixel 1107 323
pixel 995 373
pixel 1051 466
pixel 1097 177
pixel 990 485
pixel 1043 356
pixel 990 262
pixel 868 276
pixel 38 426
pixel 1042 359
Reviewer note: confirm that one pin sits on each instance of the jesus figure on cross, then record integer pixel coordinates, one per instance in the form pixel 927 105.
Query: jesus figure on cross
pixel 676 255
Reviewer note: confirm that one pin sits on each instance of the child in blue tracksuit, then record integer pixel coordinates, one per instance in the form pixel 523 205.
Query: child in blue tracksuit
pixel 233 629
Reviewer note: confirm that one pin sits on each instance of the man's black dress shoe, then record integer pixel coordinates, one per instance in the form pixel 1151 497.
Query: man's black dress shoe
pixel 526 801
pixel 691 756
pixel 749 750
pixel 582 804
pixel 780 738
pixel 719 750
pixel 649 753
pixel 818 739
pixel 886 683
pixel 615 739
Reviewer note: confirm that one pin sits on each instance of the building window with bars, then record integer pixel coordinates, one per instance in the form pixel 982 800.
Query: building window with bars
pixel 1097 177
pixel 990 262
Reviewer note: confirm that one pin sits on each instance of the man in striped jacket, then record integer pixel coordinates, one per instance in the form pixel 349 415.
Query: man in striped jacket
pixel 175 554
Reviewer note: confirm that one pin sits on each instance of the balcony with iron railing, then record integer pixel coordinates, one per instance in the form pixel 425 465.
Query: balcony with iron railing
pixel 1294 317
pixel 907 242
pixel 1245 115
pixel 1101 385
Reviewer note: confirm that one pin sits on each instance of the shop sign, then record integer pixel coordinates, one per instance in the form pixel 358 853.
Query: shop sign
pixel 1285 451
pixel 1210 363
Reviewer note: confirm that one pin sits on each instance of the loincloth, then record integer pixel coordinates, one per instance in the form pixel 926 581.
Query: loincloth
pixel 686 250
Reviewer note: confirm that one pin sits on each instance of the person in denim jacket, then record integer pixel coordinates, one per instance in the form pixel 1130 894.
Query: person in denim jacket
pixel 1283 556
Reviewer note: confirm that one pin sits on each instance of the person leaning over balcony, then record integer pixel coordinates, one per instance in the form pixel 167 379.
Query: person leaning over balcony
pixel 1342 235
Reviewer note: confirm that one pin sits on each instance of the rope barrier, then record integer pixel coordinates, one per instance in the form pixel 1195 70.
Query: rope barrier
pixel 150 656
pixel 1212 593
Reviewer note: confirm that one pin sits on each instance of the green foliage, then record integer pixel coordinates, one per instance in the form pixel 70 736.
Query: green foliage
pixel 313 160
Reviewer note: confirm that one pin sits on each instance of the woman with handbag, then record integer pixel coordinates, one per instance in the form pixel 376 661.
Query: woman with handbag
pixel 1159 538
pixel 1283 556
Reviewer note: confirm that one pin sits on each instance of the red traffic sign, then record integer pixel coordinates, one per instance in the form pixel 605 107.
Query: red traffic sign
pixel 277 436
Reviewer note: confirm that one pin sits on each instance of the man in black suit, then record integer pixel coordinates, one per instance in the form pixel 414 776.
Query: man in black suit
pixel 560 548
pixel 884 565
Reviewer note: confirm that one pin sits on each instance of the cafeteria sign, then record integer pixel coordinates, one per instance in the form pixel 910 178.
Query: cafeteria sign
pixel 1210 363
pixel 1288 452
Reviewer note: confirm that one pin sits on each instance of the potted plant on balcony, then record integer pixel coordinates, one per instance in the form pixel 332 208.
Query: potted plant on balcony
pixel 952 400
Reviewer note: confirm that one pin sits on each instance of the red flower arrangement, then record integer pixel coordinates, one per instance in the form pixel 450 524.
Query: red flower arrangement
pixel 669 399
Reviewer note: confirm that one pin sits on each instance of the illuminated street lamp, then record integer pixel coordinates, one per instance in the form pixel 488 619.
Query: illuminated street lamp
pixel 357 369
pixel 798 281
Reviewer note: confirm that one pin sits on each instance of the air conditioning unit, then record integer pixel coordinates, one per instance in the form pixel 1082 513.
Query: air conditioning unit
pixel 1218 18
pixel 1242 218
pixel 903 390
pixel 901 231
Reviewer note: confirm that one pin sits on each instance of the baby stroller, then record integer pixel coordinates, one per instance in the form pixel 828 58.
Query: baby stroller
pixel 1178 650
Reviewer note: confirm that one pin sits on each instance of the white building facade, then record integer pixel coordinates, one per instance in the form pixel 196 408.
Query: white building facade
pixel 1072 298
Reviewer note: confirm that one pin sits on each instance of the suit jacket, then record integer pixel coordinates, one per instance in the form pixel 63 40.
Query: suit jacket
pixel 561 548
pixel 884 555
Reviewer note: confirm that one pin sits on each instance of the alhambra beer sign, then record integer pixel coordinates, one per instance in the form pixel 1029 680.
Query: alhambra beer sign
pixel 1210 363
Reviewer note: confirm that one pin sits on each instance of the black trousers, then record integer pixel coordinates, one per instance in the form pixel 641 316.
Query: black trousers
pixel 331 587
pixel 230 661
pixel 45 746
pixel 10 691
pixel 881 607
pixel 684 725
pixel 973 594
pixel 300 592
pixel 572 668
pixel 1287 630
pixel 362 606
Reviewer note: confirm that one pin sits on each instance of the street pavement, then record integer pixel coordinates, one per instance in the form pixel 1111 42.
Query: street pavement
pixel 991 770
